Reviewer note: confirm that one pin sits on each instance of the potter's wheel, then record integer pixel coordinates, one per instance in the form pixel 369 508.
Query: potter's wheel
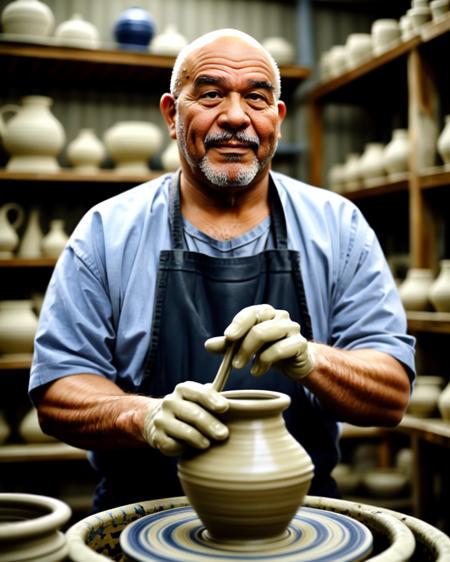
pixel 314 535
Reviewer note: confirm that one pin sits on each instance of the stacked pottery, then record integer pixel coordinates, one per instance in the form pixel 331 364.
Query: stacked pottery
pixel 132 144
pixel 28 17
pixel 439 9
pixel 232 484
pixel 358 49
pixel 11 218
pixel 443 143
pixel 419 13
pixel 282 51
pixel 30 244
pixel 54 242
pixel 439 293
pixel 134 29
pixel 76 32
pixel 33 136
pixel 444 403
pixel 169 42
pixel 415 289
pixel 396 154
pixel 337 60
pixel 18 326
pixel 86 152
pixel 371 164
pixel 424 398
pixel 385 35
pixel 352 178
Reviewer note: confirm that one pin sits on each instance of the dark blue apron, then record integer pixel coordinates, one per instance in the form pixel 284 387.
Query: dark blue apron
pixel 196 298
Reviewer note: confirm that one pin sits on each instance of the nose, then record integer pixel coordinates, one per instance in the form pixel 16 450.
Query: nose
pixel 233 114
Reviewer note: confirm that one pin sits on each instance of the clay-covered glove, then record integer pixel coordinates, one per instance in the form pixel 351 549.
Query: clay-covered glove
pixel 185 417
pixel 271 338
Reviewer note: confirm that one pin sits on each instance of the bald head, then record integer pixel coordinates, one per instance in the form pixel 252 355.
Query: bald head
pixel 216 36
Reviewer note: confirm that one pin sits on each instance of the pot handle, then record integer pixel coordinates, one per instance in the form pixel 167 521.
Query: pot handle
pixel 8 108
pixel 19 214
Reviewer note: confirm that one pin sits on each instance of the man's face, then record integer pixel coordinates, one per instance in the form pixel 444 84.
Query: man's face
pixel 227 119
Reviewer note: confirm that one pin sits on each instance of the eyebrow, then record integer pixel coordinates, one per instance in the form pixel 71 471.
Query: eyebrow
pixel 203 80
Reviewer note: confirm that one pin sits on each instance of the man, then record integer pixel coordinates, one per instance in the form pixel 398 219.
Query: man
pixel 224 247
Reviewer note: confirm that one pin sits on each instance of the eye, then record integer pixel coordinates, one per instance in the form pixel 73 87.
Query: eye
pixel 211 95
pixel 256 99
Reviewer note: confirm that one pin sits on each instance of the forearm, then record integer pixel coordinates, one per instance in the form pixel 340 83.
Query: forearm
pixel 362 387
pixel 89 411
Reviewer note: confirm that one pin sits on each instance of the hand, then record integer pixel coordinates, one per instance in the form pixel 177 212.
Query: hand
pixel 184 418
pixel 271 337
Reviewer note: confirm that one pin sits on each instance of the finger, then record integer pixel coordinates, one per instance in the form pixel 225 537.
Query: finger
pixel 216 345
pixel 171 431
pixel 168 446
pixel 247 318
pixel 197 420
pixel 203 394
pixel 282 350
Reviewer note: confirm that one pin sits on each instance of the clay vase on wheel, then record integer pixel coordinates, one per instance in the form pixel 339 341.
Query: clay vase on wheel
pixel 232 484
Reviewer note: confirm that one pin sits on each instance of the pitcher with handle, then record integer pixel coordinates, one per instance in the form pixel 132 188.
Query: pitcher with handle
pixel 11 217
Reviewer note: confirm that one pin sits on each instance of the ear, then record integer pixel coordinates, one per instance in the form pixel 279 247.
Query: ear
pixel 167 106
pixel 281 106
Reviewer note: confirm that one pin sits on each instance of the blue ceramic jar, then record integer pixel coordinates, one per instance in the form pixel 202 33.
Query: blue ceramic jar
pixel 134 29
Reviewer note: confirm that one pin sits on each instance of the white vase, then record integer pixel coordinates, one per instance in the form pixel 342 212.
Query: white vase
pixel 170 158
pixel 55 240
pixel 444 403
pixel 11 218
pixel 443 143
pixel 359 48
pixel 169 42
pixel 385 35
pixel 282 50
pixel 28 17
pixel 86 152
pixel 132 144
pixel 415 289
pixel 371 164
pixel 77 32
pixel 18 326
pixel 424 398
pixel 33 136
pixel 351 172
pixel 439 294
pixel 30 244
pixel 396 154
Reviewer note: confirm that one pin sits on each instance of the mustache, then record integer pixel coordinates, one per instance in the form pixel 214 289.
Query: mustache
pixel 218 138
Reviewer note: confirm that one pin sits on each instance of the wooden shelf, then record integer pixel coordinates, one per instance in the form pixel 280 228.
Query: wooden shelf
pixel 15 364
pixel 35 262
pixel 437 322
pixel 434 430
pixel 70 176
pixel 32 452
pixel 384 188
pixel 434 177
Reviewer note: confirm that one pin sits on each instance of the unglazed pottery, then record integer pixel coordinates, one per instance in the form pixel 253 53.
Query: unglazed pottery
pixel 170 158
pixel 371 164
pixel 30 430
pixel 231 484
pixel 443 143
pixel 359 48
pixel 439 9
pixel 385 35
pixel 11 218
pixel 30 243
pixel 424 398
pixel 420 15
pixel 337 60
pixel 18 326
pixel 33 136
pixel 336 177
pixel 132 144
pixel 86 152
pixel 439 294
pixel 77 32
pixel 30 528
pixel 55 240
pixel 352 178
pixel 28 17
pixel 282 50
pixel 415 289
pixel 444 403
pixel 347 478
pixel 385 482
pixel 134 29
pixel 396 154
pixel 169 42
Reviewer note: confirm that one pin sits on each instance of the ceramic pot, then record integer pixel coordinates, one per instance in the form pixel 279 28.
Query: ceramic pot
pixel 336 177
pixel 28 17
pixel 396 154
pixel 30 430
pixel 415 289
pixel 385 35
pixel 134 29
pixel 359 48
pixel 424 398
pixel 30 528
pixel 18 326
pixel 5 430
pixel 371 164
pixel 385 482
pixel 33 136
pixel 347 478
pixel 170 158
pixel 406 28
pixel 439 9
pixel 282 50
pixel 77 32
pixel 444 403
pixel 325 66
pixel 132 144
pixel 86 152
pixel 420 15
pixel 11 218
pixel 439 294
pixel 443 143
pixel 30 244
pixel 169 42
pixel 55 240
pixel 337 60
pixel 352 177
pixel 232 484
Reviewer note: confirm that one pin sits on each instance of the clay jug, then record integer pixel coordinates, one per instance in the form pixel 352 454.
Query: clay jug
pixel 11 217
pixel 443 143
pixel 55 240
pixel 30 245
pixel 18 326
pixel 444 403
pixel 249 487
pixel 415 289
pixel 440 289
pixel 86 152
pixel 396 154
pixel 424 398
pixel 76 32
pixel 33 136
pixel 28 17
